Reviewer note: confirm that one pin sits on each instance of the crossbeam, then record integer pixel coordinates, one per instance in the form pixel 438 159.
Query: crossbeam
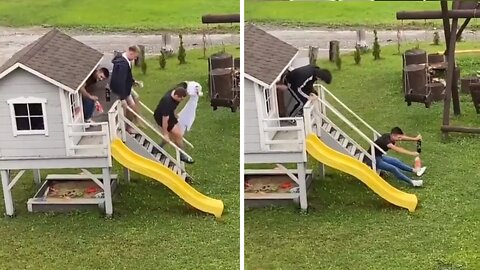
pixel 221 18
pixel 433 14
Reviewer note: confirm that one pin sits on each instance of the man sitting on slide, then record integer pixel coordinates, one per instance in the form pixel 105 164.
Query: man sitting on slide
pixel 166 118
pixel 385 163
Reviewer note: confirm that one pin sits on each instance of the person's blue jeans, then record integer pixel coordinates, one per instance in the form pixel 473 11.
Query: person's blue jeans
pixel 88 108
pixel 395 166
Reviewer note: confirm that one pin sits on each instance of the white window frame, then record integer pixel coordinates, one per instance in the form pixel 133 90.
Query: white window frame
pixel 76 103
pixel 28 100
pixel 269 102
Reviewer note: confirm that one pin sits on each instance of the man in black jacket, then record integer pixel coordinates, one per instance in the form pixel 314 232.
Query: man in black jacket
pixel 122 80
pixel 300 83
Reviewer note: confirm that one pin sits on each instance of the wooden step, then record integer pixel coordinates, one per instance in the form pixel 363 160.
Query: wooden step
pixel 353 150
pixel 337 135
pixel 345 142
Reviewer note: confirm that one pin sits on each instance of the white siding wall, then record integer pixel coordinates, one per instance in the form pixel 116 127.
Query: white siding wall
pixel 21 83
pixel 251 129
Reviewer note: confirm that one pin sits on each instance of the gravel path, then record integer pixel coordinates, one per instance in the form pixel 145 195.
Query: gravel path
pixel 13 39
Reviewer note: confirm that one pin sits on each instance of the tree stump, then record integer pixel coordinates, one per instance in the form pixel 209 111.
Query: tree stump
pixel 362 41
pixel 313 55
pixel 141 56
pixel 167 48
pixel 334 48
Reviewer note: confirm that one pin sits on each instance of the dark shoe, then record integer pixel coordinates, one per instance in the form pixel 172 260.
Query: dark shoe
pixel 186 159
pixel 189 180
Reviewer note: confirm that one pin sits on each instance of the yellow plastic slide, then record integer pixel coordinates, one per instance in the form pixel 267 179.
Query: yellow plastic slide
pixel 321 152
pixel 167 177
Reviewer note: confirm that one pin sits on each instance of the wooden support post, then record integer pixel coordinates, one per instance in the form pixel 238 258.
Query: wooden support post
pixel 204 42
pixel 37 178
pixel 455 95
pixel 7 193
pixel 302 184
pixel 462 27
pixel 446 24
pixel 313 55
pixel 450 77
pixel 126 174
pixel 107 192
pixel 334 46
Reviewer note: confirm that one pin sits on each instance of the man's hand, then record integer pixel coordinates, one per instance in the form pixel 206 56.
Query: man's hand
pixel 418 138
pixel 166 138
pixel 94 98
pixel 312 97
pixel 415 154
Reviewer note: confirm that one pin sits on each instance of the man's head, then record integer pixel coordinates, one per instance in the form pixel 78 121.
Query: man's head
pixel 102 74
pixel 323 74
pixel 132 52
pixel 179 93
pixel 395 134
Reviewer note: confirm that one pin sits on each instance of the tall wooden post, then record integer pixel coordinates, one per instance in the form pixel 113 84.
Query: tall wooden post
pixel 450 76
pixel 446 24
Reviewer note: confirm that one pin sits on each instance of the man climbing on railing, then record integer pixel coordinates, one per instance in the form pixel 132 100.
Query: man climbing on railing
pixel 167 120
pixel 299 83
pixel 395 166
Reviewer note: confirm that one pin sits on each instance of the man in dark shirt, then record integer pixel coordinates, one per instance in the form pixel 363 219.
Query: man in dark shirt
pixel 385 163
pixel 122 80
pixel 166 118
pixel 300 83
pixel 88 99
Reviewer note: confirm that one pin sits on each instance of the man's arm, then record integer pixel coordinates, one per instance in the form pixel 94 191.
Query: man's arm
pixel 402 150
pixel 408 138
pixel 84 93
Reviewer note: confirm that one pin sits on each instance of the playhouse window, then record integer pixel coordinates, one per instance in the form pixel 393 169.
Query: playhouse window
pixel 268 100
pixel 28 116
pixel 75 106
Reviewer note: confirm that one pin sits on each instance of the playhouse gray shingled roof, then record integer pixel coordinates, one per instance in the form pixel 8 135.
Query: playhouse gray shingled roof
pixel 265 55
pixel 59 57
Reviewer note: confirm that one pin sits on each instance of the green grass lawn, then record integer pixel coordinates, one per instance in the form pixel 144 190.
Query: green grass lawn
pixel 380 14
pixel 152 228
pixel 145 15
pixel 347 225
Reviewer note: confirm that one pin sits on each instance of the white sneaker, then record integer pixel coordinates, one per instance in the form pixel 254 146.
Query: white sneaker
pixel 417 183
pixel 421 171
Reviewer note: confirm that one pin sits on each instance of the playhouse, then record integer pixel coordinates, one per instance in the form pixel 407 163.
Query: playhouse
pixel 324 132
pixel 43 128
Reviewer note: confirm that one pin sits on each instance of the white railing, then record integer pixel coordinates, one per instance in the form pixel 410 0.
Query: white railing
pixel 316 110
pixel 178 150
pixel 103 145
pixel 118 123
pixel 115 123
pixel 322 91
pixel 272 127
